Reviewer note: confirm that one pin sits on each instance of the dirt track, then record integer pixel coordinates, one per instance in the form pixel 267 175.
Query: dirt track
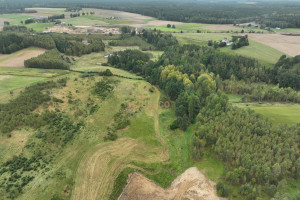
pixel 190 185
pixel 289 45
pixel 18 60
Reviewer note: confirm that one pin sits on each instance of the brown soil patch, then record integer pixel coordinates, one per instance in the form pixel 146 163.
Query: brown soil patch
pixel 18 61
pixel 289 45
pixel 82 29
pixel 222 27
pixel 192 184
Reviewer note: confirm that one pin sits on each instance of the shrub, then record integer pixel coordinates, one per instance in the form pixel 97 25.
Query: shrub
pixel 174 125
pixel 222 190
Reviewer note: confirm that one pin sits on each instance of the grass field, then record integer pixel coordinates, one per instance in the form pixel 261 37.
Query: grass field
pixel 192 27
pixel 39 27
pixel 278 113
pixel 8 82
pixel 264 54
pixel 16 17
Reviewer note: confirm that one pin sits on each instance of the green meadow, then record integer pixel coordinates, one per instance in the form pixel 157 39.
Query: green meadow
pixel 278 113
pixel 263 53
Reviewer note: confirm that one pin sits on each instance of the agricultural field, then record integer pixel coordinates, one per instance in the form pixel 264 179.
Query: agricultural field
pixel 286 44
pixel 263 53
pixel 17 59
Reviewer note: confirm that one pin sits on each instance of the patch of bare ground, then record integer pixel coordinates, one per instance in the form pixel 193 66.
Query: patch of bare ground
pixel 18 61
pixel 289 45
pixel 82 29
pixel 221 27
pixel 192 184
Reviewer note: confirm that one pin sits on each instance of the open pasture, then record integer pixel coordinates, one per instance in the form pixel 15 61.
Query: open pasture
pixel 17 59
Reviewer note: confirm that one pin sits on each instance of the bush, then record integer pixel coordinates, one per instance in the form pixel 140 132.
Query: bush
pixel 111 136
pixel 222 189
pixel 174 125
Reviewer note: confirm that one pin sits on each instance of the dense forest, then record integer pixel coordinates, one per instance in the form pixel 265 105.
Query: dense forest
pixel 258 155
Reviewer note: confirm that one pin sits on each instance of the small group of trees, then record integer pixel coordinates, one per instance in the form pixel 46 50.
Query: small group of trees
pixel 130 60
pixel 169 26
pixel 287 72
pixel 44 20
pixel 239 41
pixel 49 60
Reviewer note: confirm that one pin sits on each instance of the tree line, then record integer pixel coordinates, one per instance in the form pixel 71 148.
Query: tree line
pixel 156 38
pixel 260 92
pixel 14 39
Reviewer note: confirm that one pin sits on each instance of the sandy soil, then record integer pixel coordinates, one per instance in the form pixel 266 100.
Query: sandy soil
pixel 289 45
pixel 192 184
pixel 82 29
pixel 18 61
pixel 221 27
